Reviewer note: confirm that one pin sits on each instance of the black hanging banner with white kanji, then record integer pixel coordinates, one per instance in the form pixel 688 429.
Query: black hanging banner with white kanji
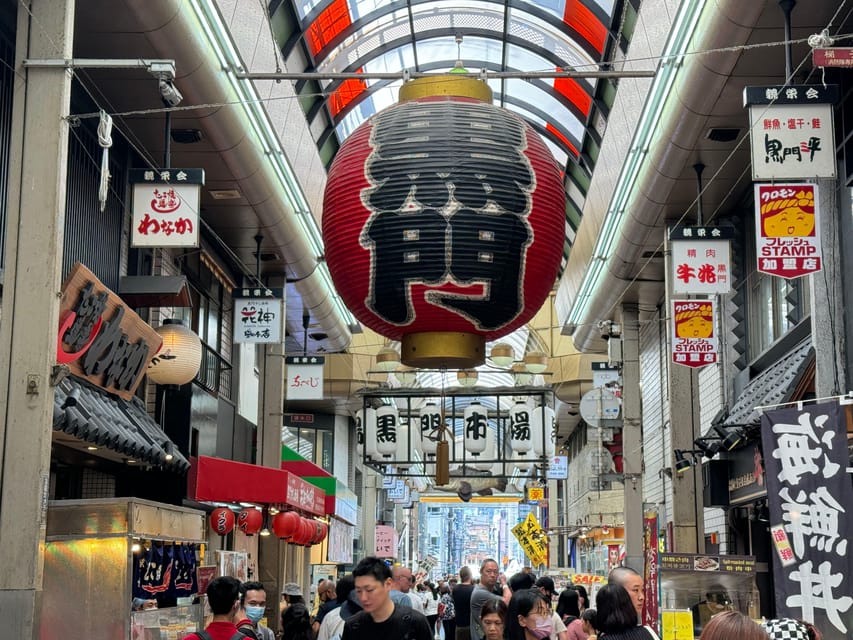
pixel 810 498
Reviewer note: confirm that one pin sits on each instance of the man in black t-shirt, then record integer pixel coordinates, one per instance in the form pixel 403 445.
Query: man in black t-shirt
pixel 461 595
pixel 380 617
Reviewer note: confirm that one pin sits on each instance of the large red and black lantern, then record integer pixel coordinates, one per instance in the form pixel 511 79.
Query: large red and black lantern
pixel 443 221
pixel 222 520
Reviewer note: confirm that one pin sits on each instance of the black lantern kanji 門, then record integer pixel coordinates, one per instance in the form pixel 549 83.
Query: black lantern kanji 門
pixel 444 221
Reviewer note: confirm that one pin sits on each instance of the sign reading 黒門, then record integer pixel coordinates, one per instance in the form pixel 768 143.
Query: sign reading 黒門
pixel 791 131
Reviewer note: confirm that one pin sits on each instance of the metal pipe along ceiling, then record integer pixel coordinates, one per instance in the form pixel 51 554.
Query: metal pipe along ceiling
pixel 697 88
pixel 170 28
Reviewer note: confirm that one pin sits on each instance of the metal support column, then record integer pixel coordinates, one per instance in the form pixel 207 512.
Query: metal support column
pixel 632 437
pixel 271 551
pixel 32 280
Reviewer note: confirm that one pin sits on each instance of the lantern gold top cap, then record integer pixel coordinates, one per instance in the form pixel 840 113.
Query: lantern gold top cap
pixel 449 84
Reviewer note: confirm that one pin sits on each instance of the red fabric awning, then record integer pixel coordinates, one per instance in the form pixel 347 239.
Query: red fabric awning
pixel 219 480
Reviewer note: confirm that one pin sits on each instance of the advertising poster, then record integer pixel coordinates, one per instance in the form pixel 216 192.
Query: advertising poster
pixel 693 341
pixel 786 229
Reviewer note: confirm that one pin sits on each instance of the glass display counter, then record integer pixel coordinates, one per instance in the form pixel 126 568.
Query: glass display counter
pixel 174 623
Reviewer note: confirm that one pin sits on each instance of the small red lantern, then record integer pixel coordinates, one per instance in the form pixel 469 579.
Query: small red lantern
pixel 319 533
pixel 444 222
pixel 222 520
pixel 285 524
pixel 250 521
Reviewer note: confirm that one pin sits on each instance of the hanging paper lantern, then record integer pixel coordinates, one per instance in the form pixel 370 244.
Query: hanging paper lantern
pixel 444 222
pixel 319 532
pixel 285 523
pixel 222 520
pixel 543 416
pixel 250 521
pixel 520 437
pixel 387 424
pixel 479 440
pixel 430 426
pixel 179 357
pixel 305 532
pixel 407 435
pixel 365 432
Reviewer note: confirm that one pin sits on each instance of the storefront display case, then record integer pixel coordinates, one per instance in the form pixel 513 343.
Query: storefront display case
pixel 88 569
pixel 706 585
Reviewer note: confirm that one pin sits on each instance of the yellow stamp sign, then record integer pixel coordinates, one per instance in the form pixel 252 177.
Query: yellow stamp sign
pixel 532 539
pixel 534 494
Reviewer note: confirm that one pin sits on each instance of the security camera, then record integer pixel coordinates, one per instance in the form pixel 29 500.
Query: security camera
pixel 170 94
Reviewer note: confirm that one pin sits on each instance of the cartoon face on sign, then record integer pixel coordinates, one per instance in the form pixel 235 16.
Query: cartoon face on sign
pixel 694 323
pixel 789 217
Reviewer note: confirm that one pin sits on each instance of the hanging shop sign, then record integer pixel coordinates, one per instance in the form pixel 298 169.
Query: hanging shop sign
pixel 787 229
pixel 304 495
pixel 339 548
pixel 833 57
pixel 532 539
pixel 258 316
pixel 558 468
pixel 701 260
pixel 385 541
pixel 100 338
pixel 165 207
pixel 650 569
pixel 443 214
pixel 807 469
pixel 791 131
pixel 693 341
pixel 603 375
pixel 304 377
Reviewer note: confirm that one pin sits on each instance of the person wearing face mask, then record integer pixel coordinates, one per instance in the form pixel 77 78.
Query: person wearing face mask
pixel 253 604
pixel 528 616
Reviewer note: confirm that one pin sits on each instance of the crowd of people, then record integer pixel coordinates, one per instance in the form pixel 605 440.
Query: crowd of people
pixel 378 602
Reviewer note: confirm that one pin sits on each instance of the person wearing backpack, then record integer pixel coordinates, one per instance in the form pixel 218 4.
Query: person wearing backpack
pixel 223 598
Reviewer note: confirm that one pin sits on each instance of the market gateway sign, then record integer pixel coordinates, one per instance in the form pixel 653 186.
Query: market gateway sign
pixel 100 338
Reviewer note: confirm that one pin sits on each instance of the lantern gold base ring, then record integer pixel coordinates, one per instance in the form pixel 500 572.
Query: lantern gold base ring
pixel 443 350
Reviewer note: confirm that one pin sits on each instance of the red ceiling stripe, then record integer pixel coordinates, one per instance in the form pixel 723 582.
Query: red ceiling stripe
pixel 348 91
pixel 574 92
pixel 553 130
pixel 331 22
pixel 578 16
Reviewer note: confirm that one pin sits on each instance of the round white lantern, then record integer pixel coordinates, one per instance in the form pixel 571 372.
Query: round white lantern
pixel 543 416
pixel 520 435
pixel 179 358
pixel 387 431
pixel 430 428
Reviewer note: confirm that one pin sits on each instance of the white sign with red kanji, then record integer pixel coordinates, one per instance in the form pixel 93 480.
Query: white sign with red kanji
pixel 787 233
pixel 701 266
pixel 165 214
pixel 304 377
pixel 693 341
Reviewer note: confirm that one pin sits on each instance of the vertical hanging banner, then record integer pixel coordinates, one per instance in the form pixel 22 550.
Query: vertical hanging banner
pixel 651 575
pixel 810 498
pixel 693 341
pixel 165 207
pixel 791 131
pixel 701 260
pixel 258 315
pixel 787 233
pixel 304 377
